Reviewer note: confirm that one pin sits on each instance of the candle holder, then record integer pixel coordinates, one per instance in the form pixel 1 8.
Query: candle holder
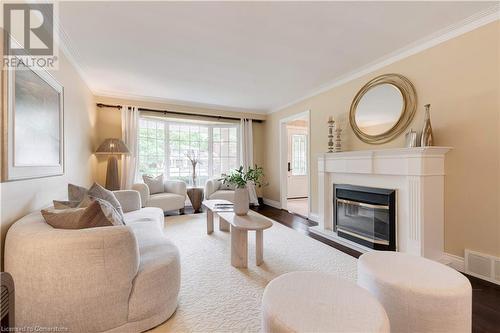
pixel 338 140
pixel 331 125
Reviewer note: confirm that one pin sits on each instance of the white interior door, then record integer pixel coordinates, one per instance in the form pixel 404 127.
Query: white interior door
pixel 297 186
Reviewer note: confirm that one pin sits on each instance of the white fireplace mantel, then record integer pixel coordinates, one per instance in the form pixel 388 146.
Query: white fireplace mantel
pixel 417 175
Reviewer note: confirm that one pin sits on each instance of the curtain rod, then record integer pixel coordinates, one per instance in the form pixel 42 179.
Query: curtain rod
pixel 119 107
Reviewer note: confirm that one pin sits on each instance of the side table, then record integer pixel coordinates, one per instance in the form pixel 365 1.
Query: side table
pixel 195 195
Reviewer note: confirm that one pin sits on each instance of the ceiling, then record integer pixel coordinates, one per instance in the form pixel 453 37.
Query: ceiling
pixel 241 55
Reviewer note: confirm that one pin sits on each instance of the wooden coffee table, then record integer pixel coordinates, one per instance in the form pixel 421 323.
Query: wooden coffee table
pixel 210 205
pixel 240 225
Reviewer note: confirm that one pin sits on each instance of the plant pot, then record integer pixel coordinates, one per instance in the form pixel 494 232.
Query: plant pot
pixel 241 201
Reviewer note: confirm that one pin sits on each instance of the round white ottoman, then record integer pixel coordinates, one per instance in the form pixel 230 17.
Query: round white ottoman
pixel 320 302
pixel 419 295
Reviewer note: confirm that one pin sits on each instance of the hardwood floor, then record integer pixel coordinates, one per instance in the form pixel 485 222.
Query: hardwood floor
pixel 485 295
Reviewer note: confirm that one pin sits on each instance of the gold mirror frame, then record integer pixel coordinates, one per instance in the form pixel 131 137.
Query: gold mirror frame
pixel 409 107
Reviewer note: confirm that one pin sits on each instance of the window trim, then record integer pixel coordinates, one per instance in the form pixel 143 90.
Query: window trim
pixel 210 126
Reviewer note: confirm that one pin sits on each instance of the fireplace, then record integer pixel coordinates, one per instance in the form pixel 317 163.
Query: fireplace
pixel 366 215
pixel 417 176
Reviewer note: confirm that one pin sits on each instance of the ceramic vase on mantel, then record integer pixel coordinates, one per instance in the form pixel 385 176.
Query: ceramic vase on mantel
pixel 427 140
pixel 241 201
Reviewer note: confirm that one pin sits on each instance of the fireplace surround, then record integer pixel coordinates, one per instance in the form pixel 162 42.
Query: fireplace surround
pixel 417 177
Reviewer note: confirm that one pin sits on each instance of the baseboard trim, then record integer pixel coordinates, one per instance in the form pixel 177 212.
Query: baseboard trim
pixel 272 203
pixel 453 261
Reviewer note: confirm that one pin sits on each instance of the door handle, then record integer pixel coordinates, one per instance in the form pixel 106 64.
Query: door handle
pixel 289 167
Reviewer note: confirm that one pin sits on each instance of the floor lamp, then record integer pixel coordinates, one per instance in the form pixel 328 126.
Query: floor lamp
pixel 113 148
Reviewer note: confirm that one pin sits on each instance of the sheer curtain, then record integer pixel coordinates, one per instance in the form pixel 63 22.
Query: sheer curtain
pixel 246 143
pixel 130 128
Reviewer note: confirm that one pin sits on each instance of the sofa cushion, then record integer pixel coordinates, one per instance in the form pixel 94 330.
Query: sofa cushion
pixel 148 215
pixel 222 195
pixel 77 218
pixel 155 184
pixel 166 201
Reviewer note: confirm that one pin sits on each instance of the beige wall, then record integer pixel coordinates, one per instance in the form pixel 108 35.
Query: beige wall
pixel 21 197
pixel 109 125
pixel 460 78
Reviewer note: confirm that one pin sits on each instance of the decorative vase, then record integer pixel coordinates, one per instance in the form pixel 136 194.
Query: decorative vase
pixel 194 175
pixel 427 138
pixel 241 201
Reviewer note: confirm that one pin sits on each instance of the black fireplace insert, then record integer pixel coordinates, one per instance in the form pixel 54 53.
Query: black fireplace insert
pixel 366 215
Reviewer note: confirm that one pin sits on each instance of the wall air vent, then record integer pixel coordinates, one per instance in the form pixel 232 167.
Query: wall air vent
pixel 483 266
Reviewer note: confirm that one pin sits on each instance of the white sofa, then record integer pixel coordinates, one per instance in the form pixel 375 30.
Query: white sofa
pixel 214 189
pixel 173 197
pixel 105 279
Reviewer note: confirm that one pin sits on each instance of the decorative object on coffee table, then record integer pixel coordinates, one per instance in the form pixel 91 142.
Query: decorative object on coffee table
pixel 331 125
pixel 427 138
pixel 214 207
pixel 194 158
pixel 112 147
pixel 240 179
pixel 195 195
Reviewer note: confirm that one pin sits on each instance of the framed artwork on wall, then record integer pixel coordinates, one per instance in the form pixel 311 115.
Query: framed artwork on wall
pixel 32 125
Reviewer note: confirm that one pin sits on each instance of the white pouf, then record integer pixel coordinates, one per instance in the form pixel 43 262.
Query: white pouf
pixel 419 295
pixel 320 302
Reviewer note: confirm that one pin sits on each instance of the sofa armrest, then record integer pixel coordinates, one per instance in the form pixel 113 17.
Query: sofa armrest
pixel 91 269
pixel 143 190
pixel 130 200
pixel 175 186
pixel 211 186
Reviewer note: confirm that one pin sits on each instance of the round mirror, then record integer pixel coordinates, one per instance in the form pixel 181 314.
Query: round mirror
pixel 379 109
pixel 383 108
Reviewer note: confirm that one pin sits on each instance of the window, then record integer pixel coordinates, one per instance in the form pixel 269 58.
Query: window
pixel 163 145
pixel 299 159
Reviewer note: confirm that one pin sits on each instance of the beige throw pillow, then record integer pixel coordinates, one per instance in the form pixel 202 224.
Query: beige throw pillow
pixel 77 218
pixel 155 184
pixel 228 186
pixel 99 192
pixel 76 193
pixel 65 204
pixel 109 211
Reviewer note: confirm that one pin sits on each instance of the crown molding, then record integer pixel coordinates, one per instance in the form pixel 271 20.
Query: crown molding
pixel 473 22
pixel 72 54
pixel 153 99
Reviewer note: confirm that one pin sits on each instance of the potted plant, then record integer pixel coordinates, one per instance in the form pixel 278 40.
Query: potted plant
pixel 240 178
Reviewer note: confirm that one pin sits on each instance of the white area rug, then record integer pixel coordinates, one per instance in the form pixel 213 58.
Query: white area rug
pixel 215 296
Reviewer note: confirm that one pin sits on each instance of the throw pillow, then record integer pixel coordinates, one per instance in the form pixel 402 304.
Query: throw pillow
pixel 58 204
pixel 77 218
pixel 99 192
pixel 155 184
pixel 76 193
pixel 109 211
pixel 228 186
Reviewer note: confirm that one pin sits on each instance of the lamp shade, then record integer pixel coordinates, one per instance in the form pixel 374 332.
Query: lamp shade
pixel 112 146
